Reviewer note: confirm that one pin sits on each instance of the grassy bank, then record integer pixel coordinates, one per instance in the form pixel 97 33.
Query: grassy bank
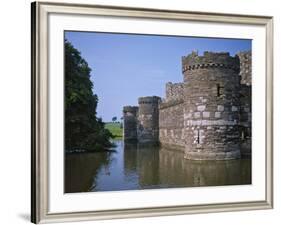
pixel 115 129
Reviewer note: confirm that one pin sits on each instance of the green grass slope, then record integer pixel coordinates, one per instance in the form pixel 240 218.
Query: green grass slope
pixel 115 129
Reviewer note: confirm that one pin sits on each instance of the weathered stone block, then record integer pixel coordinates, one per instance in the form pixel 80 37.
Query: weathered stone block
pixel 201 108
pixel 187 115
pixel 220 108
pixel 217 114
pixel 206 114
pixel 234 108
pixel 197 114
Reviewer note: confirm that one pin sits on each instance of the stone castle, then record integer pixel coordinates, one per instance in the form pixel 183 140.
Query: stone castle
pixel 207 116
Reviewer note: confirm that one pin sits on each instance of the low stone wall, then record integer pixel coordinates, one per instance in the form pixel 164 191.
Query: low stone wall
pixel 171 130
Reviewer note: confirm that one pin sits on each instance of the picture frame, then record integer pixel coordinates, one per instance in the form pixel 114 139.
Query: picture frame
pixel 41 189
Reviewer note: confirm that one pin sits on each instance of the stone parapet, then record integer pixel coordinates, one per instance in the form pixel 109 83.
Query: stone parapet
pixel 174 91
pixel 132 109
pixel 210 60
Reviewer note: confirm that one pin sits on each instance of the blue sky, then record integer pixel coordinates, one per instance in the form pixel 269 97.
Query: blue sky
pixel 125 66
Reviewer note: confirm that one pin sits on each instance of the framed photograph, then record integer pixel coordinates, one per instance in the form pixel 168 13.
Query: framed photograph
pixel 147 112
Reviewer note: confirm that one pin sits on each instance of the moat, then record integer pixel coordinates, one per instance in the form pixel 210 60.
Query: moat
pixel 135 167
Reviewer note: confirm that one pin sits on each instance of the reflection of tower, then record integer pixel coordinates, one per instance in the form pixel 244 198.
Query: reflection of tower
pixel 148 119
pixel 130 123
pixel 175 171
pixel 130 158
pixel 148 165
pixel 211 106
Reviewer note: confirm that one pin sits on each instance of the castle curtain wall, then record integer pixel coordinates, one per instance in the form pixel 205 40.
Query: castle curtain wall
pixel 171 129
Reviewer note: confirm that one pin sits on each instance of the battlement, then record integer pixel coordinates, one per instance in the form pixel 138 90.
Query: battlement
pixel 174 91
pixel 131 109
pixel 210 60
pixel 149 100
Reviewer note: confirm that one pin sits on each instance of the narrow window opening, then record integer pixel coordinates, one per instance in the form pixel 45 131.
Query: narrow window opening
pixel 198 137
pixel 219 90
pixel 243 135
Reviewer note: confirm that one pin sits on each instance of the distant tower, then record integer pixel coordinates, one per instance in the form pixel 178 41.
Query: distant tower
pixel 148 119
pixel 130 114
pixel 211 106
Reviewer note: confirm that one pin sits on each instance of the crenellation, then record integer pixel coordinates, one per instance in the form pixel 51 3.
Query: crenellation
pixel 210 60
pixel 174 91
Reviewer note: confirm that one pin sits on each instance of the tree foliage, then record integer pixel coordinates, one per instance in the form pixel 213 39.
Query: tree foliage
pixel 83 130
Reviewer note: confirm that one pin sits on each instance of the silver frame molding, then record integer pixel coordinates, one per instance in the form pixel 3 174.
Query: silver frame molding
pixel 39 68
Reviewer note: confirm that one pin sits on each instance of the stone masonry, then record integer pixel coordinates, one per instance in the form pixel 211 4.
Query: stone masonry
pixel 207 116
pixel 148 119
pixel 130 115
pixel 245 67
pixel 211 108
pixel 246 101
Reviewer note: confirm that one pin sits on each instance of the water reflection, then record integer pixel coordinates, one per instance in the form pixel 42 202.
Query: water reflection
pixel 135 166
pixel 81 170
pixel 202 173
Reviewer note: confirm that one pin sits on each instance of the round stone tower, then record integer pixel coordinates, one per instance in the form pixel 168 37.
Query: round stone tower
pixel 211 108
pixel 130 114
pixel 148 119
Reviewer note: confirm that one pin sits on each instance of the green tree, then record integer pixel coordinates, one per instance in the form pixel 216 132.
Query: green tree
pixel 83 130
pixel 114 119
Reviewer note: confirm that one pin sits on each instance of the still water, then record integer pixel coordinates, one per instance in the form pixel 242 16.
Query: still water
pixel 132 167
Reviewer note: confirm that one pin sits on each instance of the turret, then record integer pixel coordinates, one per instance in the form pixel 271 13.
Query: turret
pixel 148 119
pixel 130 123
pixel 211 106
